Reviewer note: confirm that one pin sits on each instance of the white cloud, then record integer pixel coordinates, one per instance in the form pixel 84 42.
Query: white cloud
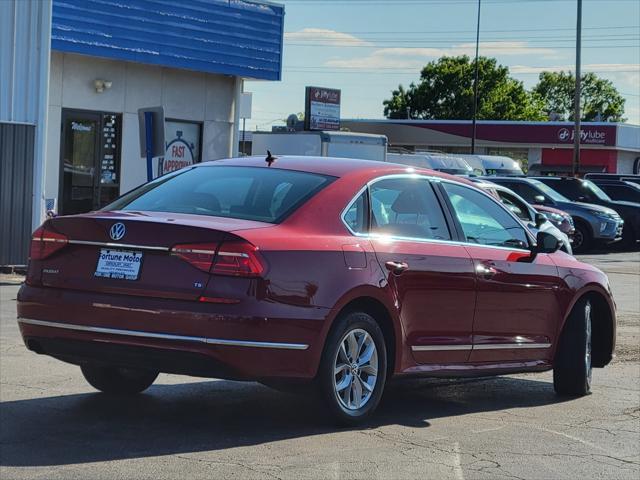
pixel 403 57
pixel 326 37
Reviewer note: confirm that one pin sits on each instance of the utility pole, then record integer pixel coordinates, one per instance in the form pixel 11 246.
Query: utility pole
pixel 475 87
pixel 576 99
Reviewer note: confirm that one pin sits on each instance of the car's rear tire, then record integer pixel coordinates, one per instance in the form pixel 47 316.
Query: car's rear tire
pixel 582 238
pixel 353 368
pixel 572 367
pixel 118 380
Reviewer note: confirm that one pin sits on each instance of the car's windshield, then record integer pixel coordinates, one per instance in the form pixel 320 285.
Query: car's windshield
pixel 596 190
pixel 250 193
pixel 550 192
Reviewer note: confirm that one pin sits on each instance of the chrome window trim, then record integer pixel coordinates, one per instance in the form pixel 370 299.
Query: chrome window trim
pixel 118 245
pixel 481 346
pixel 166 336
pixel 426 240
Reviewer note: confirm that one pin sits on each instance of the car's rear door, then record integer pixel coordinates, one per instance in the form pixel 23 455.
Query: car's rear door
pixel 432 278
pixel 517 310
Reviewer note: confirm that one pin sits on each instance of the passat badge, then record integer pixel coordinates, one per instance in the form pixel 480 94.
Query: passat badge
pixel 117 231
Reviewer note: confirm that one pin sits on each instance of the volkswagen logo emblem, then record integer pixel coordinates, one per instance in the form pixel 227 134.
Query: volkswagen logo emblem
pixel 117 231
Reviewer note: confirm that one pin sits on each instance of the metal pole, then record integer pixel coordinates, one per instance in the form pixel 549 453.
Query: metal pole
pixel 244 145
pixel 475 87
pixel 148 127
pixel 576 99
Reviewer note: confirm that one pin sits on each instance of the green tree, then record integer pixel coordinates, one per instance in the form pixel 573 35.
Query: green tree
pixel 599 99
pixel 445 91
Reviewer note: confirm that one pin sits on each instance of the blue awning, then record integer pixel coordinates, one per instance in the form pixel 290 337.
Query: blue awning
pixel 230 37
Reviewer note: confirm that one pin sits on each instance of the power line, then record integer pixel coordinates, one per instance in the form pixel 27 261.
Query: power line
pixel 492 47
pixel 518 30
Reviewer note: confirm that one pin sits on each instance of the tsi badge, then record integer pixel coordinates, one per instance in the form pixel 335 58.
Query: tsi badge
pixel 117 231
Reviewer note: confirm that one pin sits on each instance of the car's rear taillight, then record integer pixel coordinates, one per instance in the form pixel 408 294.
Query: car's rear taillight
pixel 200 255
pixel 45 243
pixel 238 258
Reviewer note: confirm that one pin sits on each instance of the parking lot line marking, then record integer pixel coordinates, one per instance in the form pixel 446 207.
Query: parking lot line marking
pixel 457 464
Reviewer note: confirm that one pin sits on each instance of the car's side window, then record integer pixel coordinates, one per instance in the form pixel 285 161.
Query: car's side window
pixel 525 191
pixel 356 216
pixel 515 205
pixel 407 207
pixel 482 220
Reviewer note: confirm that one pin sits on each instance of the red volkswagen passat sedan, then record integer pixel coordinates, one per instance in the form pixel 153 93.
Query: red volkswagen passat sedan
pixel 334 272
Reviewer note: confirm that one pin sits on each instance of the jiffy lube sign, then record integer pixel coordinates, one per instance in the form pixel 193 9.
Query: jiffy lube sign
pixel 590 135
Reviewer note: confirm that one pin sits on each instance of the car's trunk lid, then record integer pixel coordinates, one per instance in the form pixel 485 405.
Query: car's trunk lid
pixel 131 252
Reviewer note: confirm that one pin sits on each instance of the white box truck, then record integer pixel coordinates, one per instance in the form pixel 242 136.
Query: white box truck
pixel 364 146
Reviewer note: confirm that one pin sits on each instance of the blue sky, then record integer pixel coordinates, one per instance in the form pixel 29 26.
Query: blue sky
pixel 367 47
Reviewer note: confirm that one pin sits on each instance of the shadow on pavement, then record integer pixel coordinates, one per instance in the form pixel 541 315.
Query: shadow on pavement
pixel 216 415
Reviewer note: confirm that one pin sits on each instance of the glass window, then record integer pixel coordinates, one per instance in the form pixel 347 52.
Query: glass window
pixel 356 216
pixel 517 206
pixel 595 190
pixel 183 139
pixel 251 193
pixel 407 207
pixel 483 221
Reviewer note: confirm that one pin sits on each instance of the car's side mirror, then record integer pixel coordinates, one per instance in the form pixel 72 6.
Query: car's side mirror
pixel 540 219
pixel 546 243
pixel 539 199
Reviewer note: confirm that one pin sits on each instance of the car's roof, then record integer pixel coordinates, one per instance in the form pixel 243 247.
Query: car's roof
pixel 336 167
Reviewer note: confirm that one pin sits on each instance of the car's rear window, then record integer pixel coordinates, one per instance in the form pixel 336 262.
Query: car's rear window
pixel 250 193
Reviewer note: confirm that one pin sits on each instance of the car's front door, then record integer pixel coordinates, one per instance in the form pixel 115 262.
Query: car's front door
pixel 517 310
pixel 431 278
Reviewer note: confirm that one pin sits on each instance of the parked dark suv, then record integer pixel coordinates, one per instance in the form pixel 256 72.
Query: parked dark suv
pixel 594 224
pixel 618 187
pixel 581 190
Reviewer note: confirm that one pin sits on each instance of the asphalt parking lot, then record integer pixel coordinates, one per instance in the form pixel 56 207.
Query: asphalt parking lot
pixel 53 425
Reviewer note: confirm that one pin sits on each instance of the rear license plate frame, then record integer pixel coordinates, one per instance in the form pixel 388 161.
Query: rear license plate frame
pixel 118 264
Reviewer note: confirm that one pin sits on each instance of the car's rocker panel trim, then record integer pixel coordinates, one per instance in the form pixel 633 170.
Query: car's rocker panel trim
pixel 478 346
pixel 165 336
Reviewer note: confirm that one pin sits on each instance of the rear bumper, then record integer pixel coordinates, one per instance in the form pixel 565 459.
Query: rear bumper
pixel 172 336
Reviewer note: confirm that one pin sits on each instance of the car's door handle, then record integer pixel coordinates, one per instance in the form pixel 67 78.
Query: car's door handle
pixel 397 267
pixel 486 270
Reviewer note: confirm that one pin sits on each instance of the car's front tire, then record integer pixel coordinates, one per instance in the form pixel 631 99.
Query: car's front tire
pixel 118 380
pixel 353 368
pixel 582 238
pixel 572 367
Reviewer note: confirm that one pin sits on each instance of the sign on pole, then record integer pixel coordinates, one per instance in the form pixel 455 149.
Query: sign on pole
pixel 151 129
pixel 322 109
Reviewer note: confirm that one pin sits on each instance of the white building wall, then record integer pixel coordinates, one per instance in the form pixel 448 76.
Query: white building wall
pixel 185 95
pixel 626 161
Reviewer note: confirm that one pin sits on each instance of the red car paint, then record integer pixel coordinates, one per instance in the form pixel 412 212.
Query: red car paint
pixel 313 269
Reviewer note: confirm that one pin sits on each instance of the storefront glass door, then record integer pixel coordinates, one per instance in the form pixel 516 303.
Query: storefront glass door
pixel 90 160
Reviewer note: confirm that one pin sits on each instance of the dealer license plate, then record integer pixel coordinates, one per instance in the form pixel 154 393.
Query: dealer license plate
pixel 119 264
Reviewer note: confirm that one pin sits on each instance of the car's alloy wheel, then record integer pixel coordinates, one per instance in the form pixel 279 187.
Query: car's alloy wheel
pixel 353 368
pixel 356 369
pixel 572 369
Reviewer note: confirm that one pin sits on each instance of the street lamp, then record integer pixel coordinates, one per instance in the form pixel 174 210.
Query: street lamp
pixel 475 87
pixel 576 98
